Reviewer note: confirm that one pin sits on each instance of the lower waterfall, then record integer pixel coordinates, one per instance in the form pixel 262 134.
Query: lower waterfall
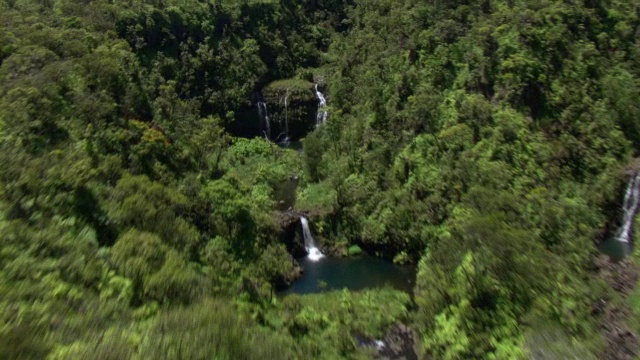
pixel 314 254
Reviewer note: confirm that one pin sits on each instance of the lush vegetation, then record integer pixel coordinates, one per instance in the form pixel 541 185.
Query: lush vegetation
pixel 483 140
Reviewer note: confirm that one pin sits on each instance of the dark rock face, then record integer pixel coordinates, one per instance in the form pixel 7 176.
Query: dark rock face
pixel 246 122
pixel 398 344
pixel 292 234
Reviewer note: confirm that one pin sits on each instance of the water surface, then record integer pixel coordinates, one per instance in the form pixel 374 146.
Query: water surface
pixel 617 250
pixel 293 145
pixel 353 273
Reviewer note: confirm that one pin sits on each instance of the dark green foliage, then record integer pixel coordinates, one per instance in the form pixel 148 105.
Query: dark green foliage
pixel 137 202
pixel 157 272
pixel 334 317
pixel 498 122
pixel 484 140
pixel 211 330
pixel 313 150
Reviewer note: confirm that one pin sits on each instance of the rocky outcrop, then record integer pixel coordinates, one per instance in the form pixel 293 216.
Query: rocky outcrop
pixel 621 340
pixel 398 343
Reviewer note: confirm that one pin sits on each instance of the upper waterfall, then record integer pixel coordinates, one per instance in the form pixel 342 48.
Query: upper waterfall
pixel 314 253
pixel 630 208
pixel 321 115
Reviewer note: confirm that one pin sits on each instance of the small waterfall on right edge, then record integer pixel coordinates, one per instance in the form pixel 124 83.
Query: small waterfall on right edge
pixel 309 243
pixel 630 208
pixel 321 115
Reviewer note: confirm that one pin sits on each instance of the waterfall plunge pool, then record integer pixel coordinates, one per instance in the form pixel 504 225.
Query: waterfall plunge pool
pixel 353 273
pixel 619 247
pixel 615 249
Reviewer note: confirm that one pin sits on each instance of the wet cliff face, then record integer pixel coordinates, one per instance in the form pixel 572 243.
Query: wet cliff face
pixel 291 106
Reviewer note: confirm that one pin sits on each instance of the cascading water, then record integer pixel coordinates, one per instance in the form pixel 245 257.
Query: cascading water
pixel 630 208
pixel 314 253
pixel 321 115
pixel 264 116
pixel 286 119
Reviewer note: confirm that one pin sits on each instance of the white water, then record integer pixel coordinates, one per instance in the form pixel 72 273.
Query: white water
pixel 321 115
pixel 286 119
pixel 314 254
pixel 286 114
pixel 630 208
pixel 264 116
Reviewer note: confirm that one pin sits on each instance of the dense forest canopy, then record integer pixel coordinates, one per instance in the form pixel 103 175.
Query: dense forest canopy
pixel 146 213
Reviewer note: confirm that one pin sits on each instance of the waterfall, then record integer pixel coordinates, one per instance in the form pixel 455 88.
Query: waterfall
pixel 286 119
pixel 264 116
pixel 309 243
pixel 630 208
pixel 321 115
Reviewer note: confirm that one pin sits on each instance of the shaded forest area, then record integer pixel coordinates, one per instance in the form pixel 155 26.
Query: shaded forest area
pixel 487 141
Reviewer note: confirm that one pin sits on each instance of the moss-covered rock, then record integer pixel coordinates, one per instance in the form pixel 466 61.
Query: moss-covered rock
pixel 355 250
